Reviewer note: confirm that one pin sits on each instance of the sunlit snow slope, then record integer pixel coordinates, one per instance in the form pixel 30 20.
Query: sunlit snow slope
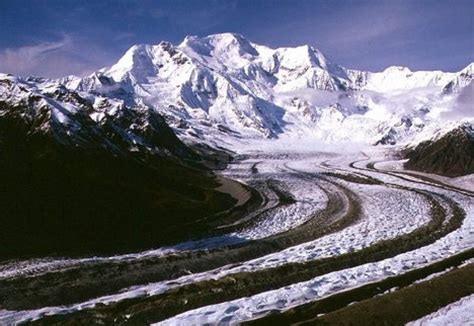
pixel 222 87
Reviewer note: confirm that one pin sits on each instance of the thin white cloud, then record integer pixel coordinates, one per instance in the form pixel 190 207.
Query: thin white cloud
pixel 51 59
pixel 26 58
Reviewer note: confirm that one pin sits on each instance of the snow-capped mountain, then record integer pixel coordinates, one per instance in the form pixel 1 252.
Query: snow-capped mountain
pixel 223 87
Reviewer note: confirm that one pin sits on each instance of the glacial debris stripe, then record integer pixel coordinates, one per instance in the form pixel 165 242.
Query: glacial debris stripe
pixel 329 231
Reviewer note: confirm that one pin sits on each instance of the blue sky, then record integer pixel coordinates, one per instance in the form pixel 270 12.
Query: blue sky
pixel 54 38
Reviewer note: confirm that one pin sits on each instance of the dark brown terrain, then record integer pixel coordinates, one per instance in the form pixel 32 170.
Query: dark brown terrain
pixel 452 155
pixel 81 198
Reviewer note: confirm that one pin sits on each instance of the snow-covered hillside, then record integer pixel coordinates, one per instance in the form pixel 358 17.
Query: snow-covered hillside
pixel 48 109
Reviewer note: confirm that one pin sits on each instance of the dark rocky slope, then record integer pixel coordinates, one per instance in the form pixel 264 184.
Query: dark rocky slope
pixel 452 155
pixel 87 188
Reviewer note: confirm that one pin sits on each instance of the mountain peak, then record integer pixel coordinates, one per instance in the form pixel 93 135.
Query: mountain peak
pixel 397 69
pixel 223 44
pixel 137 60
pixel 229 36
pixel 301 57
pixel 225 38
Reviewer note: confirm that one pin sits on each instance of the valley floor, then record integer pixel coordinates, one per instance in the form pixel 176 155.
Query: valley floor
pixel 334 237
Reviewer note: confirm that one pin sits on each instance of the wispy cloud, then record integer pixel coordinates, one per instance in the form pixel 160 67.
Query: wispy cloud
pixel 50 59
pixel 27 58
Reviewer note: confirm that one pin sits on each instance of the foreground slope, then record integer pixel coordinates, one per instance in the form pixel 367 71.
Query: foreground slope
pixel 452 154
pixel 89 174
